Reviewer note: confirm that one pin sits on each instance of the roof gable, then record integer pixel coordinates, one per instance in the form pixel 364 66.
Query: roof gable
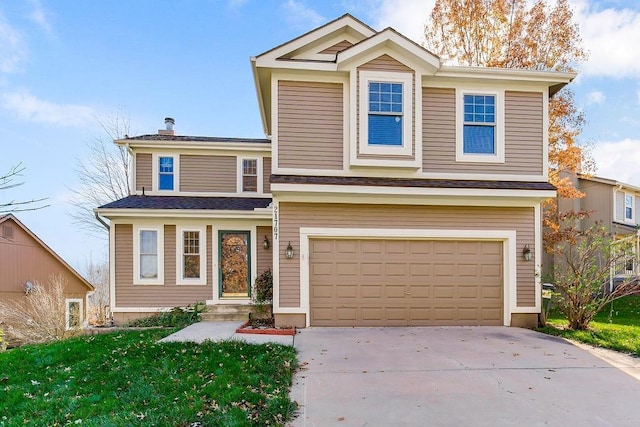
pixel 11 218
pixel 310 46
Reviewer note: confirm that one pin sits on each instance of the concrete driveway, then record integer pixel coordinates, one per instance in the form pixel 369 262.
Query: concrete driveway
pixel 457 376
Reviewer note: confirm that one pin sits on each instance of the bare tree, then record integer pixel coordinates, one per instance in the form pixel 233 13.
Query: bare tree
pixel 97 273
pixel 103 174
pixel 8 181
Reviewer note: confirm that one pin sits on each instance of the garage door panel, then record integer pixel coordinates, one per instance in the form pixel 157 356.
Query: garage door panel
pixel 375 282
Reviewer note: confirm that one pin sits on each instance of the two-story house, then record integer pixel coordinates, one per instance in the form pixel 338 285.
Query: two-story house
pixel 390 190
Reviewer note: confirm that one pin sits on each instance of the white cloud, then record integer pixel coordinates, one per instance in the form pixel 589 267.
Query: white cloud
pixel 39 16
pixel 595 97
pixel 633 121
pixel 236 4
pixel 618 160
pixel 408 17
pixel 638 93
pixel 13 50
pixel 29 108
pixel 611 36
pixel 302 16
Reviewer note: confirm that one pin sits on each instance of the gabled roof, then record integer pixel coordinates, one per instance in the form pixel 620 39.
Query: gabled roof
pixel 187 138
pixel 611 182
pixel 11 217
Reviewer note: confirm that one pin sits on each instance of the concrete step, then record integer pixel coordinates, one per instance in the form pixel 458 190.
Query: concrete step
pixel 228 312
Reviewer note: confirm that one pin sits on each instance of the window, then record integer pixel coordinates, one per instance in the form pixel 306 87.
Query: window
pixel 191 255
pixel 628 207
pixel 250 175
pixel 385 113
pixel 148 254
pixel 148 247
pixel 165 173
pixel 73 313
pixel 479 124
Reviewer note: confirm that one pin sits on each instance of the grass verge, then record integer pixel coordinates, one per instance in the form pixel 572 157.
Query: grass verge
pixel 127 378
pixel 616 327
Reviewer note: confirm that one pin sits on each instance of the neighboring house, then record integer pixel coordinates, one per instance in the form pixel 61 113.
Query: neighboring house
pixel 25 260
pixel 613 204
pixel 391 190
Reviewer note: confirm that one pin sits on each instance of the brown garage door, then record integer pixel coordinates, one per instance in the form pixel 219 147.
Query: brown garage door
pixel 362 282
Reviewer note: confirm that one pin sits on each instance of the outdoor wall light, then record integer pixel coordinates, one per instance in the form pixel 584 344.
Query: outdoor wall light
pixel 288 252
pixel 265 243
pixel 526 253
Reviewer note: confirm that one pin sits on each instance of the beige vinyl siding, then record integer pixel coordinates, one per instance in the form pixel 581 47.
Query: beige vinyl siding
pixel 619 206
pixel 208 173
pixel 523 134
pixel 265 256
pixel 23 258
pixel 386 63
pixel 598 199
pixel 266 175
pixel 167 295
pixel 296 215
pixel 143 171
pixel 338 47
pixel 310 125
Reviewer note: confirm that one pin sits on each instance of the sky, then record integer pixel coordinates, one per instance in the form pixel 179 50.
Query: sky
pixel 65 63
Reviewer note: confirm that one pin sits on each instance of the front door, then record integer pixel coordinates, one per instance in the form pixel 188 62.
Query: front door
pixel 234 264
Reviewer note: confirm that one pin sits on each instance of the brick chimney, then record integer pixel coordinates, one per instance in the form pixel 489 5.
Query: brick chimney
pixel 169 123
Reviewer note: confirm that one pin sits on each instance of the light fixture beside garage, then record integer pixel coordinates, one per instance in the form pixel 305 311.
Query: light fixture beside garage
pixel 526 253
pixel 265 243
pixel 288 252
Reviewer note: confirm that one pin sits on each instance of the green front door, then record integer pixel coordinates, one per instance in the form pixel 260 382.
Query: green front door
pixel 235 262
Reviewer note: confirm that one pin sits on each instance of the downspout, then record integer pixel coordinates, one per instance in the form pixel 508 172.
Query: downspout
pixel 101 221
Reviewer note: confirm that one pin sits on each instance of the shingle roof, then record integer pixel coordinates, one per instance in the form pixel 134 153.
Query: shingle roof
pixel 188 202
pixel 187 138
pixel 410 182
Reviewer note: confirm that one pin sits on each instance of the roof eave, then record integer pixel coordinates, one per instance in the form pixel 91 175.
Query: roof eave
pixel 259 213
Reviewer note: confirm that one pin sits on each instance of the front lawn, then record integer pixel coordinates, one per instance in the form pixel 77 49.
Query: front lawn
pixel 616 329
pixel 127 378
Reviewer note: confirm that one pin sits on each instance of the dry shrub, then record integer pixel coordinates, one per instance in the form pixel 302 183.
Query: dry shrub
pixel 38 317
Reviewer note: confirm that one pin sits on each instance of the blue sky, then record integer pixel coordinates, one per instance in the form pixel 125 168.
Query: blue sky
pixel 63 63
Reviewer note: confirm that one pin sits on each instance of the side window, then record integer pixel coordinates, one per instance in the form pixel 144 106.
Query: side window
pixel 148 254
pixel 165 173
pixel 73 313
pixel 250 175
pixel 479 124
pixel 191 256
pixel 385 113
pixel 628 207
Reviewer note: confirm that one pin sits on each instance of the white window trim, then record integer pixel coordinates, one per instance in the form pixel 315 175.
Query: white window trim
pixel 180 280
pixel 137 280
pixel 499 155
pixel 67 301
pixel 406 149
pixel 259 171
pixel 633 208
pixel 155 181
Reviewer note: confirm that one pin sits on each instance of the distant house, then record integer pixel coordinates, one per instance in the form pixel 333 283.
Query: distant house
pixel 390 190
pixel 25 259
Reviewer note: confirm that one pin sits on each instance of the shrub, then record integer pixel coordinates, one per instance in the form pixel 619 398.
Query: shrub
pixel 38 317
pixel 176 317
pixel 264 287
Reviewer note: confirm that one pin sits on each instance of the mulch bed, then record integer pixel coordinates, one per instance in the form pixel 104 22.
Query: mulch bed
pixel 264 327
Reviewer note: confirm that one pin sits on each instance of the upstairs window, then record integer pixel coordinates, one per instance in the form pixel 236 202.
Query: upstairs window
pixel 385 113
pixel 480 128
pixel 165 173
pixel 250 175
pixel 385 116
pixel 628 207
pixel 479 124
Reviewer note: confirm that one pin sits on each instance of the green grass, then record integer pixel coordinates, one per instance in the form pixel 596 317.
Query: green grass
pixel 616 328
pixel 127 378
